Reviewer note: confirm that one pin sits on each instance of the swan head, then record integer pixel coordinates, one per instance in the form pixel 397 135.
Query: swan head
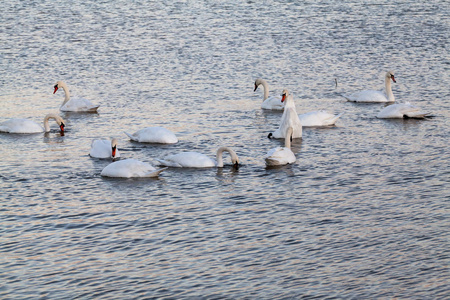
pixel 61 124
pixel 113 148
pixel 390 75
pixel 257 83
pixel 59 121
pixel 59 84
pixel 235 162
pixel 284 95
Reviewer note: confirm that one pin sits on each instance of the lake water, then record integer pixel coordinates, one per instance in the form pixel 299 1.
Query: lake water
pixel 362 214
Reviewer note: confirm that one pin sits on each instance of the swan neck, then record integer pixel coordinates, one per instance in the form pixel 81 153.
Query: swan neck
pixel 66 93
pixel 219 155
pixel 290 101
pixel 47 117
pixel 266 89
pixel 388 86
pixel 287 140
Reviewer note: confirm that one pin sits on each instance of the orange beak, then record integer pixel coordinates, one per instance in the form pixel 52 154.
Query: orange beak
pixel 113 151
pixel 56 88
pixel 393 79
pixel 62 127
pixel 283 98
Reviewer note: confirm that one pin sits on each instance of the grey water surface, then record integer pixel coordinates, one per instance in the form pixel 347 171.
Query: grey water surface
pixel 362 214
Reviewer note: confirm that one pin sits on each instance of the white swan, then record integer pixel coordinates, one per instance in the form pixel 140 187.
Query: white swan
pixel 153 135
pixel 281 155
pixel 288 119
pixel 28 126
pixel 198 160
pixel 129 168
pixel 401 110
pixel 74 104
pixel 104 149
pixel 375 96
pixel 273 102
pixel 318 118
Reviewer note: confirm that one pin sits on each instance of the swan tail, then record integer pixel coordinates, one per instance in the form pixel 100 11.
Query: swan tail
pixel 130 136
pixel 347 97
pixel 272 162
pixel 93 108
pixel 168 163
pixel 334 119
pixel 417 115
pixel 154 173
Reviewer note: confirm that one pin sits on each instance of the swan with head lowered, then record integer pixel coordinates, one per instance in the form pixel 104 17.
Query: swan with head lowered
pixel 16 125
pixel 288 119
pixel 309 119
pixel 130 168
pixel 156 134
pixel 280 156
pixel 104 149
pixel 74 104
pixel 402 111
pixel 273 102
pixel 198 160
pixel 375 96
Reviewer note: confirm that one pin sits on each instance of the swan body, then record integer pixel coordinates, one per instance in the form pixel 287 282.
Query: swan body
pixel 375 96
pixel 198 160
pixel 74 104
pixel 401 110
pixel 104 149
pixel 281 155
pixel 318 118
pixel 16 125
pixel 153 135
pixel 129 168
pixel 288 119
pixel 273 102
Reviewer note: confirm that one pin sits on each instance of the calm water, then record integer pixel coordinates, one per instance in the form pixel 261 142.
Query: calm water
pixel 363 213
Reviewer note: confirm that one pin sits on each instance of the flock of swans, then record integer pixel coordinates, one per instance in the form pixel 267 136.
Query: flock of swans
pixel 290 128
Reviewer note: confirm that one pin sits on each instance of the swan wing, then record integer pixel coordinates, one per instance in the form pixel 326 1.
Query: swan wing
pixel 188 160
pixel 17 125
pixel 318 118
pixel 101 149
pixel 79 105
pixel 129 168
pixel 367 96
pixel 273 103
pixel 154 135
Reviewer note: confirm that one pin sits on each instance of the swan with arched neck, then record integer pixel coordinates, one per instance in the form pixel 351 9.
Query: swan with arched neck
pixel 368 96
pixel 17 125
pixel 74 104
